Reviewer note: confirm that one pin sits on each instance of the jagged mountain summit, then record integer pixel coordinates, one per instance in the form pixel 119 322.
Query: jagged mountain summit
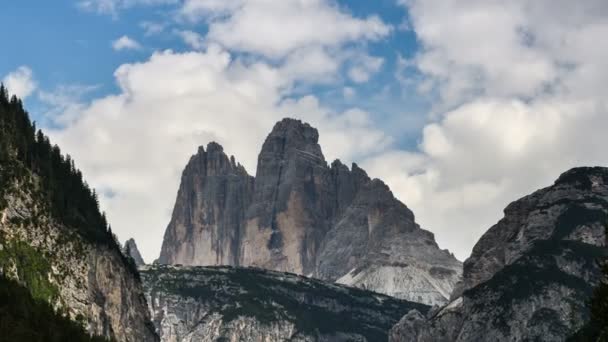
pixel 130 249
pixel 530 276
pixel 301 215
pixel 190 303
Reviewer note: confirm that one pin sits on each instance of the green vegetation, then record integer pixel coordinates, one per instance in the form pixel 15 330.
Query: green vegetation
pixel 32 268
pixel 67 197
pixel 314 307
pixel 24 318
pixel 23 150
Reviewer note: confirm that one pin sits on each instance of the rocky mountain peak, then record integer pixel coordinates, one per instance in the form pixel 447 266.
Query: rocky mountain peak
pixel 130 249
pixel 530 275
pixel 584 177
pixel 305 217
pixel 205 226
pixel 295 130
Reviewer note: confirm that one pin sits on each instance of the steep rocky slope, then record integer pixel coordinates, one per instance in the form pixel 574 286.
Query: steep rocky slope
pixel 92 283
pixel 304 216
pixel 529 277
pixel 56 244
pixel 245 304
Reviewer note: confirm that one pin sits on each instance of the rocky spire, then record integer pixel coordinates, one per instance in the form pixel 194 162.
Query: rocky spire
pixel 300 215
pixel 205 227
pixel 131 250
pixel 291 202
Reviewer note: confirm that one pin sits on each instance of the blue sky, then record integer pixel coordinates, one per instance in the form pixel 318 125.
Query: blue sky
pixel 460 106
pixel 65 44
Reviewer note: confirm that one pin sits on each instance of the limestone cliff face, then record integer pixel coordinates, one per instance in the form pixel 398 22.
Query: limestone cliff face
pixel 130 249
pixel 376 244
pixel 303 216
pixel 209 213
pixel 291 207
pixel 530 276
pixel 91 283
pixel 246 304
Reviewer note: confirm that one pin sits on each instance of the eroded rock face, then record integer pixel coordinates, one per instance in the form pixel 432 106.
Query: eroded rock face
pixel 530 275
pixel 303 216
pixel 209 212
pixel 91 283
pixel 247 304
pixel 131 250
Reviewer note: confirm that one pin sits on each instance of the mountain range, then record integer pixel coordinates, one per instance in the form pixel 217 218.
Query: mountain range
pixel 303 251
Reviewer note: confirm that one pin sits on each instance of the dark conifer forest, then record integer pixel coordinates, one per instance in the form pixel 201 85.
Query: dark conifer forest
pixel 24 149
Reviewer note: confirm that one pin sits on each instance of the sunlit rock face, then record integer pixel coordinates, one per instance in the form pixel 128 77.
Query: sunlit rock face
pixel 246 304
pixel 304 216
pixel 530 276
pixel 209 212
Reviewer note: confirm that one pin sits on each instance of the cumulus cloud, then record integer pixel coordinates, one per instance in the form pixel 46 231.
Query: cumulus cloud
pixel 125 43
pixel 133 145
pixel 517 87
pixel 20 82
pixel 192 39
pixel 276 28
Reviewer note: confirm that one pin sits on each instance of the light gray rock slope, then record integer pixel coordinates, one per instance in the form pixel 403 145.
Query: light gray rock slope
pixel 529 276
pixel 245 304
pixel 304 216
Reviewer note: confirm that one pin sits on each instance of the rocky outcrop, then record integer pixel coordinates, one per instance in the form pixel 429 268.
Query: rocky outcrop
pixel 90 283
pixel 303 216
pixel 130 249
pixel 247 304
pixel 529 276
pixel 291 209
pixel 209 212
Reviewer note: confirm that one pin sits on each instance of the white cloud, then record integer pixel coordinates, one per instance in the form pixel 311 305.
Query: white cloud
pixel 112 7
pixel 20 82
pixel 65 102
pixel 152 28
pixel 125 43
pixel 133 146
pixel 520 100
pixel 193 39
pixel 276 28
pixel 364 67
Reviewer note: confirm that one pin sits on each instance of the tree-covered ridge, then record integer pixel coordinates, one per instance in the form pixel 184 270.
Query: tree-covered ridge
pixel 70 200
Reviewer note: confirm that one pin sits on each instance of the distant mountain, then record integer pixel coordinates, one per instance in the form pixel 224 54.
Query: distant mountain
pixel 301 215
pixel 57 253
pixel 244 304
pixel 130 249
pixel 530 276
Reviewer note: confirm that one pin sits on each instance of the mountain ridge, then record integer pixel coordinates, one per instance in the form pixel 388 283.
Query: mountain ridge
pixel 300 214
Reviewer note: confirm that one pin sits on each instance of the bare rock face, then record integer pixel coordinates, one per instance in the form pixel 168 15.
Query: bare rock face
pixel 130 249
pixel 530 276
pixel 303 216
pixel 209 213
pixel 291 207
